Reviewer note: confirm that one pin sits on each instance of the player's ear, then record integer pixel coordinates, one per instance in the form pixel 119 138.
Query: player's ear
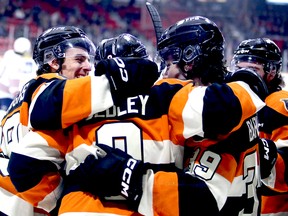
pixel 54 64
pixel 188 67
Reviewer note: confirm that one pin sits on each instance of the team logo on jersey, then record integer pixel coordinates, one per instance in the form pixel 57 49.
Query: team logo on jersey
pixel 285 101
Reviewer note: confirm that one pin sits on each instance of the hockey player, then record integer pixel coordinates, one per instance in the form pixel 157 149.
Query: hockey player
pixel 220 154
pixel 62 54
pixel 264 56
pixel 154 127
pixel 16 68
pixel 15 123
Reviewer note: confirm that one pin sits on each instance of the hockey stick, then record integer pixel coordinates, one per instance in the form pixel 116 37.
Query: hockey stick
pixel 155 17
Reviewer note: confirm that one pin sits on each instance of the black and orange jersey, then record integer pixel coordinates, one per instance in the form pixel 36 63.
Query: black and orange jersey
pixel 221 174
pixel 52 102
pixel 40 101
pixel 274 126
pixel 155 128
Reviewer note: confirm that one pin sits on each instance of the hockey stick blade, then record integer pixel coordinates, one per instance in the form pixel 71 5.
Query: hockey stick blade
pixel 155 17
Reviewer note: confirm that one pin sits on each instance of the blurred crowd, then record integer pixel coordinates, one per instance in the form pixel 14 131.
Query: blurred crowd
pixel 104 19
pixel 100 19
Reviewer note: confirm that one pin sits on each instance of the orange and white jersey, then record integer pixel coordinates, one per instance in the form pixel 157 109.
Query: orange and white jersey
pixel 222 174
pixel 35 95
pixel 14 127
pixel 51 148
pixel 35 108
pixel 274 126
pixel 140 126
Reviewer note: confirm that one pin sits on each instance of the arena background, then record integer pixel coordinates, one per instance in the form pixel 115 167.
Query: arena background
pixel 238 19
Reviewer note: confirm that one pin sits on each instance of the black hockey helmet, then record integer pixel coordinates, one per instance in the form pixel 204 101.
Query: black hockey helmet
pixel 261 51
pixel 52 44
pixel 191 38
pixel 104 49
pixel 124 45
pixel 196 40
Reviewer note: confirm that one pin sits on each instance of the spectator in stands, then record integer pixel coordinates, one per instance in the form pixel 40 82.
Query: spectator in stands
pixel 16 68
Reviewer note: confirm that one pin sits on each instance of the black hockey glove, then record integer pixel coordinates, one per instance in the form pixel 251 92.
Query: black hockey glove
pixel 128 76
pixel 268 156
pixel 115 174
pixel 252 78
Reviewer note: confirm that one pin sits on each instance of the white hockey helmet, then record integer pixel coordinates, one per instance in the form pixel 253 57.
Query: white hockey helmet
pixel 22 45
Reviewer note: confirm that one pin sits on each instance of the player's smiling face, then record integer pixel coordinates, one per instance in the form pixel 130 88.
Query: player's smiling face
pixel 77 63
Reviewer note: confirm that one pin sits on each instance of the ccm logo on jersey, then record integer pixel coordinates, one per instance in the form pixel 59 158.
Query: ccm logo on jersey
pixel 266 149
pixel 127 176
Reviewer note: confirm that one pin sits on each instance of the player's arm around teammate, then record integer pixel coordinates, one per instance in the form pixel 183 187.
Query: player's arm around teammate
pixel 72 101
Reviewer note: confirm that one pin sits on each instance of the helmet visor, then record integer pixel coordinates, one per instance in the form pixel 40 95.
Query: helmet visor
pixel 268 66
pixel 176 54
pixel 171 54
pixel 59 50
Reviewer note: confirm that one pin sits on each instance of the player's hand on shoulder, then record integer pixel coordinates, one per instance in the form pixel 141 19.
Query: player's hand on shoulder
pixel 128 76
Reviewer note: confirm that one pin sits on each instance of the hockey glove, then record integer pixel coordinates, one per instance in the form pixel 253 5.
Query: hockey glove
pixel 128 76
pixel 115 174
pixel 252 78
pixel 268 156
